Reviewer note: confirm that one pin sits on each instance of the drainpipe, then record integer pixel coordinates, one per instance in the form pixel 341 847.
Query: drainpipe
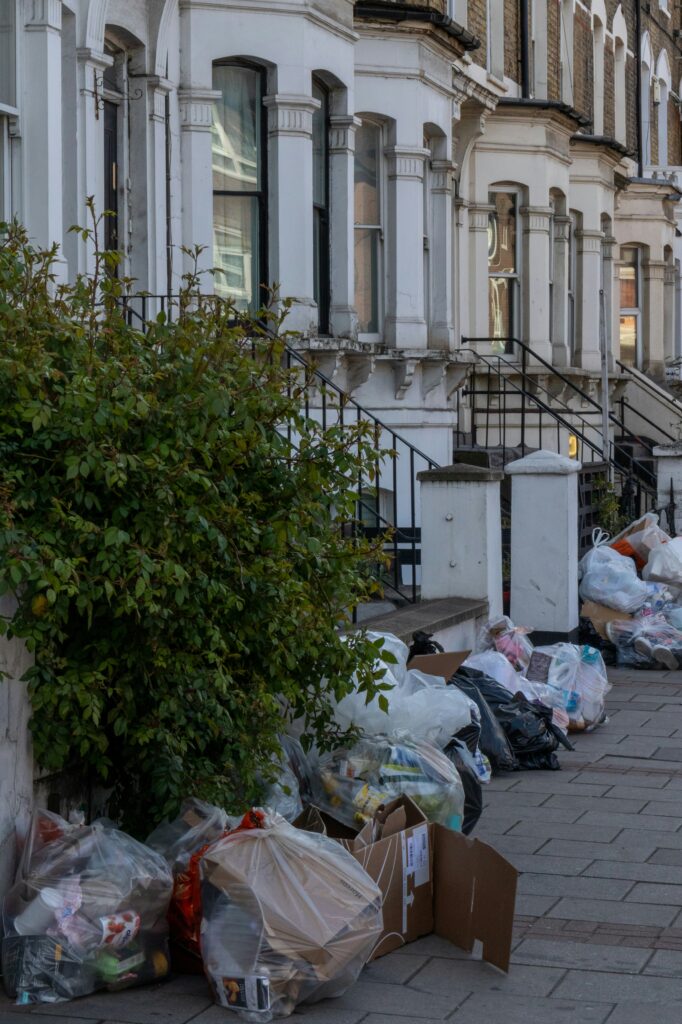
pixel 525 55
pixel 638 105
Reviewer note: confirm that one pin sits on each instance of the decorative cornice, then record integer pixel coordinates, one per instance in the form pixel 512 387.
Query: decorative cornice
pixel 196 109
pixel 537 219
pixel 442 177
pixel 291 115
pixel 654 270
pixel 562 227
pixel 589 241
pixel 43 14
pixel 342 128
pixel 479 215
pixel 405 162
pixel 95 58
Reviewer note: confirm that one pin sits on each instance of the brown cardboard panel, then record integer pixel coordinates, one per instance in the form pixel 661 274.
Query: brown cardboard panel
pixel 599 615
pixel 474 895
pixel 444 665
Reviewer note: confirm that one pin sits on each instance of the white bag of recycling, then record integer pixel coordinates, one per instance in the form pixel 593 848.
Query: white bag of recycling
pixel 665 563
pixel 497 666
pixel 611 579
pixel 576 679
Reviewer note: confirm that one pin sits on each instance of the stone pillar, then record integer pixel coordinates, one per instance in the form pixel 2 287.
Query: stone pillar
pixel 405 326
pixel 587 313
pixel 342 314
pixel 669 312
pixel 290 167
pixel 669 474
pixel 653 319
pixel 544 545
pixel 196 120
pixel 90 168
pixel 16 759
pixel 610 294
pixel 560 347
pixel 461 535
pixel 441 333
pixel 42 123
pixel 479 317
pixel 536 304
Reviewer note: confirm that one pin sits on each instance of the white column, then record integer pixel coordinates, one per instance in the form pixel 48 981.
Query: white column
pixel 290 172
pixel 344 319
pixel 405 323
pixel 608 245
pixel 91 66
pixel 159 89
pixel 534 275
pixel 441 332
pixel 669 474
pixel 544 545
pixel 560 351
pixel 654 304
pixel 479 317
pixel 16 759
pixel 42 122
pixel 196 119
pixel 461 537
pixel 589 263
pixel 669 312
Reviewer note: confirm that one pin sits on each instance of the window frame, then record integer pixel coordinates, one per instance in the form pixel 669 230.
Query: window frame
pixel 634 311
pixel 262 194
pixel 7 107
pixel 322 214
pixel 375 336
pixel 572 282
pixel 516 277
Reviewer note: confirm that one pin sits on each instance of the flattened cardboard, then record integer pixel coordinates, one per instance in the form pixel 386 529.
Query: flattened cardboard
pixel 599 615
pixel 444 665
pixel 474 895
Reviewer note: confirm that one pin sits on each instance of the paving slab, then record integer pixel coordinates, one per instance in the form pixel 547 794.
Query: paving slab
pixel 475 976
pixel 612 912
pixel 586 888
pixel 622 959
pixel 506 1009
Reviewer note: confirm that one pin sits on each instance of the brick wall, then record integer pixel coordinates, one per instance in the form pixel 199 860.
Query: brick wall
pixel 609 98
pixel 553 50
pixel 512 39
pixel 476 23
pixel 582 62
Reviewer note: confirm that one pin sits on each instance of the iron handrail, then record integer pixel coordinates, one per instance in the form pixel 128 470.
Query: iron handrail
pixel 643 382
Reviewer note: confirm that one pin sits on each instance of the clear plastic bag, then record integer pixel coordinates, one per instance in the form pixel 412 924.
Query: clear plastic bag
pixel 665 564
pixel 512 641
pixel 498 667
pixel 639 539
pixel 289 917
pixel 609 578
pixel 197 824
pixel 355 782
pixel 421 704
pixel 574 678
pixel 87 912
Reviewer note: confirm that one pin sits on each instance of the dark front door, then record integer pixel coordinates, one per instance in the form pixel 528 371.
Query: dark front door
pixel 111 175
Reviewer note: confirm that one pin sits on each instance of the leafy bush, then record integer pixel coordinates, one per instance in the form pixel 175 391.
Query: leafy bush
pixel 170 523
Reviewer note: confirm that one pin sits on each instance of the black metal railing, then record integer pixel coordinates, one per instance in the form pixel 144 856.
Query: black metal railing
pixel 387 506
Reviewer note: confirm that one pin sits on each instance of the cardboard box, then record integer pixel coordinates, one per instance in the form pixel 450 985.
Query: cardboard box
pixel 599 615
pixel 444 665
pixel 433 880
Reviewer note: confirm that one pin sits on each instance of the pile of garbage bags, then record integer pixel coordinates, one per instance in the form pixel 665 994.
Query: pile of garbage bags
pixel 87 912
pixel 637 577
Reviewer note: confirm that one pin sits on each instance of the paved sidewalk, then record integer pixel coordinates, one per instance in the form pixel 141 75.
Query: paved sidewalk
pixel 599 929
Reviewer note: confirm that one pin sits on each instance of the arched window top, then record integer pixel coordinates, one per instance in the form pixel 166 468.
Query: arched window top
pixel 647 54
pixel 663 69
pixel 619 27
pixel 599 13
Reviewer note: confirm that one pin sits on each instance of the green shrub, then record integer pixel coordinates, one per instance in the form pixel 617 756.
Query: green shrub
pixel 178 561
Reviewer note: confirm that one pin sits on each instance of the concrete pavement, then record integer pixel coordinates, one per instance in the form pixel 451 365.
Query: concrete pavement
pixel 599 912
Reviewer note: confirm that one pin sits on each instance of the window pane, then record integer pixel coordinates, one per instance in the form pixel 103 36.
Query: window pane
pixel 502 233
pixel 629 285
pixel 236 249
pixel 367 280
pixel 320 148
pixel 501 307
pixel 237 129
pixel 367 144
pixel 628 340
pixel 7 52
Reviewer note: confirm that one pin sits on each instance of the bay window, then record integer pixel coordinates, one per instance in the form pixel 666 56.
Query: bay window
pixel 239 184
pixel 503 266
pixel 368 227
pixel 629 275
pixel 321 240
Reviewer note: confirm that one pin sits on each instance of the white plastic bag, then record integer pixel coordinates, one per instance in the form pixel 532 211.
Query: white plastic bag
pixel 665 563
pixel 512 641
pixel 498 667
pixel 289 916
pixel 611 579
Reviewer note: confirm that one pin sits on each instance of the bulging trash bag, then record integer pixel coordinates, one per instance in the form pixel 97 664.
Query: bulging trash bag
pixel 493 741
pixel 572 677
pixel 468 768
pixel 87 912
pixel 497 666
pixel 665 563
pixel 289 917
pixel 512 641
pixel 639 539
pixel 197 824
pixel 292 789
pixel 355 782
pixel 610 579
